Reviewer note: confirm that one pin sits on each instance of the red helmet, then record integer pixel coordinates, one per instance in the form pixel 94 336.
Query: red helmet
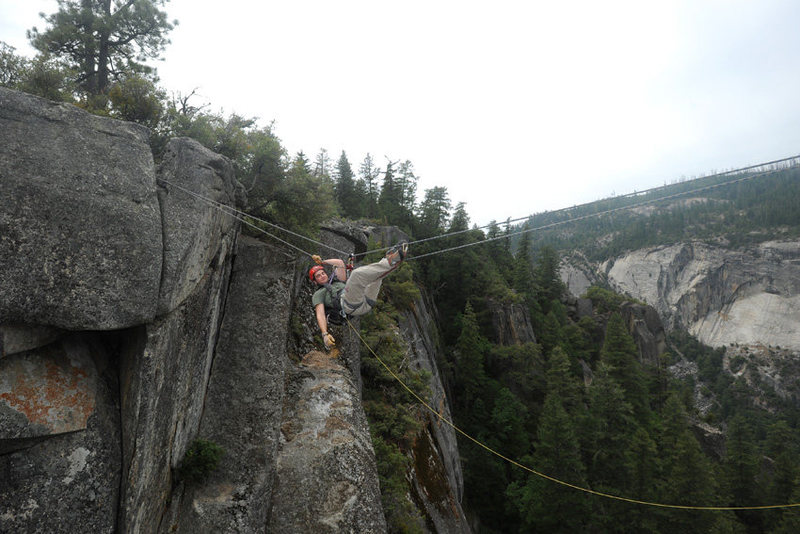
pixel 312 271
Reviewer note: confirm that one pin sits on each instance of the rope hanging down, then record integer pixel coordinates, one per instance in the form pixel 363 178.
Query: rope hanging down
pixel 548 477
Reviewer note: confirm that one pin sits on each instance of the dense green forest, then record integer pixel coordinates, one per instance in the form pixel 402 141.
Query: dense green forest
pixel 727 209
pixel 628 431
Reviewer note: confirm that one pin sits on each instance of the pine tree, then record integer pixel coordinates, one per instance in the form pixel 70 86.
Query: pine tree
pixel 547 277
pixel 642 457
pixel 322 164
pixel 407 185
pixel 523 281
pixel 500 251
pixel 345 188
pixel 790 519
pixel 460 220
pixel 612 426
pixel 389 200
pixel 544 505
pixel 471 351
pixel 686 473
pixel 508 424
pixel 434 212
pixel 619 353
pixel 782 449
pixel 368 180
pixel 740 470
pixel 104 40
pixel 302 201
pixel 562 383
pixel 264 170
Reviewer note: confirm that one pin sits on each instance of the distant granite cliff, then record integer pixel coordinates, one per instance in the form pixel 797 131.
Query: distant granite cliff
pixel 723 297
pixel 135 318
pixel 746 300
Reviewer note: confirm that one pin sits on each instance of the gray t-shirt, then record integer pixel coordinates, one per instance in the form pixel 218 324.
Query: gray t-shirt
pixel 323 296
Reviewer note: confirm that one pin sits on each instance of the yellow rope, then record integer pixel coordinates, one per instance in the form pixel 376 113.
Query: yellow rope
pixel 552 479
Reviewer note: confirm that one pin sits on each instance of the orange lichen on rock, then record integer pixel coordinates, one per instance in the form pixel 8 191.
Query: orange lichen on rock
pixel 52 392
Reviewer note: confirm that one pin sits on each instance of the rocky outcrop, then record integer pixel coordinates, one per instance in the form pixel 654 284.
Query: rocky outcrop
pixel 436 477
pixel 193 182
pixel 134 319
pixel 577 273
pixel 721 296
pixel 325 455
pixel 80 224
pixel 165 367
pixel 511 323
pixel 244 399
pixel 648 332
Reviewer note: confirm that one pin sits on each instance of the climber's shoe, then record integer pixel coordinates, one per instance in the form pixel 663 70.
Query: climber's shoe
pixel 397 253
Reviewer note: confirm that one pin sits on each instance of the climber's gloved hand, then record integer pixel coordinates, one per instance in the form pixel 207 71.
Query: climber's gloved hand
pixel 317 259
pixel 329 341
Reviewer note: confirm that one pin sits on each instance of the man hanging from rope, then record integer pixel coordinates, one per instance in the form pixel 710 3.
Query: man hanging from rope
pixel 354 295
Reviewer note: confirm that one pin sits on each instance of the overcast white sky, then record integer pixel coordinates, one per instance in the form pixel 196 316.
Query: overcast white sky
pixel 515 106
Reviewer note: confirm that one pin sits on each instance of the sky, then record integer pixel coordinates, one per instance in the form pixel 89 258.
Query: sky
pixel 517 107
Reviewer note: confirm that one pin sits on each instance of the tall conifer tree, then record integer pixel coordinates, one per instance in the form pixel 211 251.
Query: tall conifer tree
pixel 620 354
pixel 105 40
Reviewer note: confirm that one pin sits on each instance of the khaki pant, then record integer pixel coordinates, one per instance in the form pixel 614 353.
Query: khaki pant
pixel 361 289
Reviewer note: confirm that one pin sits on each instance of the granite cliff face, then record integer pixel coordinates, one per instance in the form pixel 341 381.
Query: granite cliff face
pixel 436 478
pixel 746 300
pixel 723 297
pixel 134 319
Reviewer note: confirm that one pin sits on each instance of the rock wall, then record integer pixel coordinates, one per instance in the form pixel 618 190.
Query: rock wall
pixel 511 323
pixel 436 477
pixel 80 224
pixel 133 319
pixel 721 296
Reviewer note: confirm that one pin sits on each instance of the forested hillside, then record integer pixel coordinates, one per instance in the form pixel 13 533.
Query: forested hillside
pixel 729 209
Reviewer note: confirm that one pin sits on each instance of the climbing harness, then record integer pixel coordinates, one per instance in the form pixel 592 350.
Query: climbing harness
pixel 334 313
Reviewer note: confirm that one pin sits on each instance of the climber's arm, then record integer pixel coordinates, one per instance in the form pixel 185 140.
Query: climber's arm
pixel 322 321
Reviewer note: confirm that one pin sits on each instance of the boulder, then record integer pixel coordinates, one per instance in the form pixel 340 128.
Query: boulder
pixel 80 224
pixel 325 455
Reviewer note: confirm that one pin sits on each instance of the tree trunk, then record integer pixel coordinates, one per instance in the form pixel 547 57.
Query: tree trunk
pixel 89 71
pixel 102 56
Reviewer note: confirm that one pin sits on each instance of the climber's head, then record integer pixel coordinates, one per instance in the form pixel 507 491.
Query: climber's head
pixel 318 275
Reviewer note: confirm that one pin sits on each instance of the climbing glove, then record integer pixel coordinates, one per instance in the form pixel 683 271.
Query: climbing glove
pixel 317 259
pixel 329 341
